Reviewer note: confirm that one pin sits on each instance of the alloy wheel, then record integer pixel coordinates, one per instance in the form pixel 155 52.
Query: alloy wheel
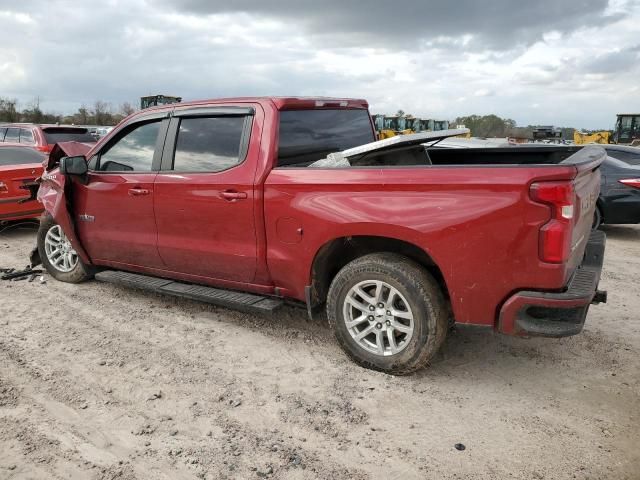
pixel 59 251
pixel 378 317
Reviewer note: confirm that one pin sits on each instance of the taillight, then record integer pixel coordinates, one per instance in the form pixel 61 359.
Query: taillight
pixel 631 182
pixel 555 235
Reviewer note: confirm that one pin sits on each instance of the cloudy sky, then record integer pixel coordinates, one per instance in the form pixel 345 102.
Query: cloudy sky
pixel 561 62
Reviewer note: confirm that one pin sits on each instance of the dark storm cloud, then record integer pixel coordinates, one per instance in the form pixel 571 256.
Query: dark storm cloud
pixel 494 24
pixel 435 59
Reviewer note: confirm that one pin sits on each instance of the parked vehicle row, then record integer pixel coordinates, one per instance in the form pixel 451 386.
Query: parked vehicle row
pixel 235 202
pixel 43 137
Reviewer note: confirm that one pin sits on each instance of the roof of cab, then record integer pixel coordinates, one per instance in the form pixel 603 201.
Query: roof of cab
pixel 281 103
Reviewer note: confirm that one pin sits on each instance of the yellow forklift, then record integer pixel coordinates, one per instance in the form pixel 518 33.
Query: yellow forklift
pixel 627 129
pixel 580 138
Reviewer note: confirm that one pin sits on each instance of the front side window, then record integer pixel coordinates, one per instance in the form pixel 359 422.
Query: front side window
pixel 26 137
pixel 132 152
pixel 208 144
pixel 3 131
pixel 13 135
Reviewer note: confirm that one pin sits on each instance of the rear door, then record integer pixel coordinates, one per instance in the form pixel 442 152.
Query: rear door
pixel 620 201
pixel 114 208
pixel 19 168
pixel 204 195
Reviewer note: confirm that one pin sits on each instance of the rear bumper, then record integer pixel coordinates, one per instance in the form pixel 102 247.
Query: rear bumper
pixel 529 313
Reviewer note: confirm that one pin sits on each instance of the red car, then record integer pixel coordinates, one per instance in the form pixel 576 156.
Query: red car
pixel 43 137
pixel 19 168
pixel 252 201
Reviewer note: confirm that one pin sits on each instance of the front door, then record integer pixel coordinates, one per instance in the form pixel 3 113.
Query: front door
pixel 204 196
pixel 114 209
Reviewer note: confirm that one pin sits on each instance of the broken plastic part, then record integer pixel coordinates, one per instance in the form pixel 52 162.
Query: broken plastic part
pixel 34 257
pixel 333 160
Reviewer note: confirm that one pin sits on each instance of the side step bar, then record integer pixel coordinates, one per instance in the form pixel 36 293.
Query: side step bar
pixel 245 302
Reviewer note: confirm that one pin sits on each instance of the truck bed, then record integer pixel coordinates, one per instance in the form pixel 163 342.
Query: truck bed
pixel 420 155
pixel 470 210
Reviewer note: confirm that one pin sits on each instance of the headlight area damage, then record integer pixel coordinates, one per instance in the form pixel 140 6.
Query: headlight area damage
pixel 54 195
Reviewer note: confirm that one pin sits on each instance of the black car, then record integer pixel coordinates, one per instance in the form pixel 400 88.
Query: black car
pixel 630 155
pixel 619 200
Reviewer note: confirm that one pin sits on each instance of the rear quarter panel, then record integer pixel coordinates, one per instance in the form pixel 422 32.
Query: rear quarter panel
pixel 477 224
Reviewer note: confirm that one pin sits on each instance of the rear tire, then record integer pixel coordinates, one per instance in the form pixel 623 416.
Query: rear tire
pixel 597 218
pixel 407 324
pixel 57 255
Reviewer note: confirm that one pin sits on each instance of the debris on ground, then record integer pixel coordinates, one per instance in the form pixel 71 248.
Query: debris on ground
pixel 12 274
pixel 155 395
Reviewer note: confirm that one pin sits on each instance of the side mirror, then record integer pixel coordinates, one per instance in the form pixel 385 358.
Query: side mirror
pixel 73 165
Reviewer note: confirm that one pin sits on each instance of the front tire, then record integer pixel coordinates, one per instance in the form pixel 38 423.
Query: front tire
pixel 387 313
pixel 58 256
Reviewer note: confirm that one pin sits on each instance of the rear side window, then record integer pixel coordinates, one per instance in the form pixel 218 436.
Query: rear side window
pixel 13 135
pixel 19 156
pixel 310 135
pixel 628 157
pixel 2 133
pixel 209 144
pixel 132 152
pixel 67 134
pixel 26 136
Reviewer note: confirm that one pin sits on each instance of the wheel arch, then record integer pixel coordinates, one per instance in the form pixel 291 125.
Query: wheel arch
pixel 337 253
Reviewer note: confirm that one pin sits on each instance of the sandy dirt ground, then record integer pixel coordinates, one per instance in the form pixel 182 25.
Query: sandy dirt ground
pixel 100 382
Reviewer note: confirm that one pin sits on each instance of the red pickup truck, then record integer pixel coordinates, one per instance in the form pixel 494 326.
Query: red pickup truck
pixel 251 202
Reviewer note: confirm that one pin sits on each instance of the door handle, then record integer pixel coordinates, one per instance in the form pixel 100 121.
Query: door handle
pixel 232 195
pixel 138 191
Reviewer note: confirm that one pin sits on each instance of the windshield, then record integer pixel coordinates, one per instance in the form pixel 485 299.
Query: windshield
pixel 310 135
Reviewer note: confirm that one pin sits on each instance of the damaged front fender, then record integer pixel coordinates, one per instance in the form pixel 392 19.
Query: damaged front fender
pixel 55 195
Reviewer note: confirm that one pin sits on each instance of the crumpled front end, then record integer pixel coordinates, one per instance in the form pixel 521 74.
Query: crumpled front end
pixel 55 196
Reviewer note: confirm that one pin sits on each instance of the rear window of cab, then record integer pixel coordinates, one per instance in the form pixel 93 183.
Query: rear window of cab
pixel 66 134
pixel 310 135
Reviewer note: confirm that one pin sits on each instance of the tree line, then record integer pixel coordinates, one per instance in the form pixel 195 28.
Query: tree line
pixel 99 113
pixel 103 113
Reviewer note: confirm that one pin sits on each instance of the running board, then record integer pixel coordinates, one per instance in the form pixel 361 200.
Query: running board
pixel 245 302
